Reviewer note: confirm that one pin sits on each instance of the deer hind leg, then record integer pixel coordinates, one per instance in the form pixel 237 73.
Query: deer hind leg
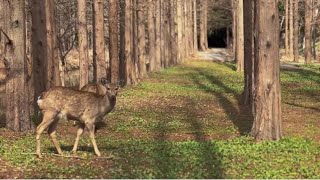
pixel 91 128
pixel 48 118
pixel 79 132
pixel 52 133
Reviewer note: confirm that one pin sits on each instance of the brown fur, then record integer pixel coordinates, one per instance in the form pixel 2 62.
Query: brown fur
pixel 85 107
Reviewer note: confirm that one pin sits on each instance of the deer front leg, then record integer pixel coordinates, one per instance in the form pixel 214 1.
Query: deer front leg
pixel 48 118
pixel 79 132
pixel 53 136
pixel 91 128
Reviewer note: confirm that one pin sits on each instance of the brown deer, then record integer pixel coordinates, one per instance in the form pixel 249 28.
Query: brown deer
pixel 85 107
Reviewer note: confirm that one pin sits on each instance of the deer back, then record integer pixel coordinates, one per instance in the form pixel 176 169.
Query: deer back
pixel 95 88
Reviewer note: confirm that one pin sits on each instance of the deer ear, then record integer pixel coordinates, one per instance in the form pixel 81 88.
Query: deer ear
pixel 104 81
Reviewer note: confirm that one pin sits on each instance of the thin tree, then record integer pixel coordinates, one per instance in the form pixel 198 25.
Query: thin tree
pixel 99 62
pixel 195 28
pixel 83 43
pixel 296 31
pixel 17 99
pixel 267 123
pixel 158 35
pixel 287 28
pixel 248 51
pixel 152 35
pixel 291 27
pixel 141 35
pixel 203 30
pixel 240 38
pixel 308 16
pixel 113 45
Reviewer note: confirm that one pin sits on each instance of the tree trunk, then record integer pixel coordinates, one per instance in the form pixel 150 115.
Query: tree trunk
pixel 195 28
pixel 202 29
pixel 240 38
pixel 296 31
pixel 44 47
pixel 234 26
pixel 99 62
pixel 113 42
pixel 141 35
pixel 287 28
pixel 83 44
pixel 248 51
pixel 129 63
pixel 308 15
pixel 267 123
pixel 158 35
pixel 179 30
pixel 17 99
pixel 291 27
pixel 152 35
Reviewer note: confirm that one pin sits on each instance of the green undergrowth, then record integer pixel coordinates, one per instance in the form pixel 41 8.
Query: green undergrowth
pixel 137 158
pixel 185 122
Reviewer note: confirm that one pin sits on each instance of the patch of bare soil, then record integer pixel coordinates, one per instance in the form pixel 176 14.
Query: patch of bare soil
pixel 7 171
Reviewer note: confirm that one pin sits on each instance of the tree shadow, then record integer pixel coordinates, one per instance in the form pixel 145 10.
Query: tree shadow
pixel 241 115
pixel 209 154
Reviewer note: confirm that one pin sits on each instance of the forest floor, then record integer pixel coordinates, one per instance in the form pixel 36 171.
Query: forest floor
pixel 183 122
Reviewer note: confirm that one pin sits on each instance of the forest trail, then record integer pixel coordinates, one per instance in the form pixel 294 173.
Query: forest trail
pixel 215 54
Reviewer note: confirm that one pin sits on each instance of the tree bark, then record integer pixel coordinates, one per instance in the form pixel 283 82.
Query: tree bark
pixel 44 47
pixel 152 35
pixel 17 99
pixel 113 42
pixel 158 35
pixel 248 52
pixel 291 27
pixel 83 44
pixel 308 15
pixel 240 38
pixel 195 28
pixel 179 30
pixel 267 123
pixel 99 62
pixel 202 29
pixel 141 35
pixel 287 28
pixel 296 31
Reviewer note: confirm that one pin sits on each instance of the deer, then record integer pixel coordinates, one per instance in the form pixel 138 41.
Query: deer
pixel 85 107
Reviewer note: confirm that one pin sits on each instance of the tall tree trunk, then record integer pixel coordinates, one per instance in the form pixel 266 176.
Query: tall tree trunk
pixel 291 27
pixel 248 51
pixel 83 44
pixel 152 35
pixel 99 62
pixel 179 29
pixel 234 26
pixel 240 38
pixel 195 28
pixel 44 47
pixel 296 31
pixel 267 123
pixel 129 63
pixel 203 30
pixel 158 35
pixel 141 40
pixel 308 15
pixel 113 42
pixel 17 99
pixel 287 28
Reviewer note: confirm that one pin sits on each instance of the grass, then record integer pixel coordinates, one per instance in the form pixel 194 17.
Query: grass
pixel 184 122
